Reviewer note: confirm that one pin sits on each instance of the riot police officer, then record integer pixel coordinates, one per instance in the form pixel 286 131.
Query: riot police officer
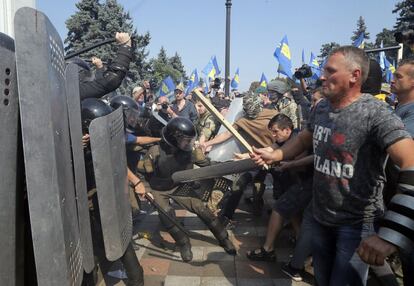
pixel 175 153
pixel 111 79
pixel 92 108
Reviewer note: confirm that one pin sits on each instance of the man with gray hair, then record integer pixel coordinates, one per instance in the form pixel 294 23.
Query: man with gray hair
pixel 282 100
pixel 350 133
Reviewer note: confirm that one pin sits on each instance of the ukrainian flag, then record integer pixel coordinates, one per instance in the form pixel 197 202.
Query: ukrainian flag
pixel 389 70
pixel 192 82
pixel 235 81
pixel 360 42
pixel 263 81
pixel 314 64
pixel 282 54
pixel 167 86
pixel 211 70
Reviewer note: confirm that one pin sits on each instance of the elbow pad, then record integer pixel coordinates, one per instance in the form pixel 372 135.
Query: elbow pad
pixel 397 226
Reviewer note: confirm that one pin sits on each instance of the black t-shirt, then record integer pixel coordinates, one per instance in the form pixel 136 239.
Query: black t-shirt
pixel 349 146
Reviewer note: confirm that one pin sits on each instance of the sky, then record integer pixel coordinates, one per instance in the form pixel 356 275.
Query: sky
pixel 196 29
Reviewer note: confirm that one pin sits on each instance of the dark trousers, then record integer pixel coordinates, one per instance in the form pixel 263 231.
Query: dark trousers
pixel 192 204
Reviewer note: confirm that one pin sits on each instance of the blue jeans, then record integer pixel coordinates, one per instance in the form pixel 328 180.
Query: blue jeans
pixel 335 259
pixel 303 247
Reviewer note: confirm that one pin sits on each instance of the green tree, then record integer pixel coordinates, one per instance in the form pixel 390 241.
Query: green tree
pixel 361 28
pixel 405 19
pixel 176 63
pixel 161 68
pixel 95 22
pixel 326 50
pixel 83 26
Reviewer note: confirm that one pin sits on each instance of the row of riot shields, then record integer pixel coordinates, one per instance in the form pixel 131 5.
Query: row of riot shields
pixel 45 236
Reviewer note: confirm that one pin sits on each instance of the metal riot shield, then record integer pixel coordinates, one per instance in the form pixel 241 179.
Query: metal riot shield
pixel 78 160
pixel 46 147
pixel 9 156
pixel 110 167
pixel 225 151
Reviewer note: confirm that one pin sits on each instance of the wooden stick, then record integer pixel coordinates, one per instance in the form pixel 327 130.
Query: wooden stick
pixel 223 121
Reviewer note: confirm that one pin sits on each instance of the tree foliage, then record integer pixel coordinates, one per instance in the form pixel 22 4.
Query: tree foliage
pixel 96 20
pixel 162 66
pixel 361 28
pixel 326 50
pixel 405 19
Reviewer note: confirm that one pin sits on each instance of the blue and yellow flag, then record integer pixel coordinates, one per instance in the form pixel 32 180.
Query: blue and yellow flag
pixel 167 86
pixel 263 81
pixel 236 80
pixel 211 69
pixel 389 70
pixel 314 64
pixel 216 67
pixel 360 41
pixel 192 82
pixel 282 54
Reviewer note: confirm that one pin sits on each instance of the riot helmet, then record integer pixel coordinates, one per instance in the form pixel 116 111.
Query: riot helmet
pixel 179 133
pixel 85 72
pixel 92 108
pixel 134 115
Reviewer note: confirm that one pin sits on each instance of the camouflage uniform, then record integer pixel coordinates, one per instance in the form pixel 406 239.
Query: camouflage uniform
pixel 286 105
pixel 207 125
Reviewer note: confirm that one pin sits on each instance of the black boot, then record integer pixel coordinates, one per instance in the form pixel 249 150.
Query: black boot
pixel 132 267
pixel 220 233
pixel 183 242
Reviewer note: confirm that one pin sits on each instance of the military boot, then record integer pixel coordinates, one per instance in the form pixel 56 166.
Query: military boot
pixel 183 242
pixel 220 233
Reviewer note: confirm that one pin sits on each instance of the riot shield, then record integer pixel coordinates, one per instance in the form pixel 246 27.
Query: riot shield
pixel 9 156
pixel 225 151
pixel 46 147
pixel 110 168
pixel 75 126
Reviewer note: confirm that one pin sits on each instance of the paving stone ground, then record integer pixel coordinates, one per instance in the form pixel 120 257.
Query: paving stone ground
pixel 211 265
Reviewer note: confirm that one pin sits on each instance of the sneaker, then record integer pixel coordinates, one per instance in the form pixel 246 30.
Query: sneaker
pixel 294 273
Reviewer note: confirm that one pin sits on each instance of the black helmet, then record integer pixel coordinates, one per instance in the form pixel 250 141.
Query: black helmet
pixel 85 72
pixel 179 133
pixel 92 108
pixel 133 113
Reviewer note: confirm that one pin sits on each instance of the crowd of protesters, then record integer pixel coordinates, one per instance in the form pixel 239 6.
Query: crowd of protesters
pixel 333 147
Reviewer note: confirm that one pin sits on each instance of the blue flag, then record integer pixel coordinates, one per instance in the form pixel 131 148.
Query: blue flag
pixel 314 64
pixel 389 70
pixel 263 81
pixel 359 42
pixel 236 80
pixel 282 54
pixel 211 69
pixel 216 67
pixel 167 86
pixel 192 82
